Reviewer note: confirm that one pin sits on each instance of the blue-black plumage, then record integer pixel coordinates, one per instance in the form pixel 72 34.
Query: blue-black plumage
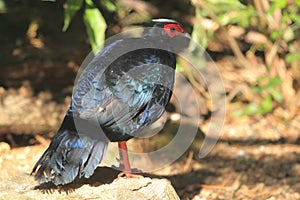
pixel 115 97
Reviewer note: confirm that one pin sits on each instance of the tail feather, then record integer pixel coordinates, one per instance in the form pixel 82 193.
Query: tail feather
pixel 69 156
pixel 94 159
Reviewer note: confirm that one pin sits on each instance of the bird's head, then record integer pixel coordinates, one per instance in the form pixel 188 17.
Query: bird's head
pixel 168 27
pixel 164 29
pixel 167 33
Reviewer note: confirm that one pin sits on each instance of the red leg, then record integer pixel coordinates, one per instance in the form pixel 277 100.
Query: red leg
pixel 125 161
pixel 124 157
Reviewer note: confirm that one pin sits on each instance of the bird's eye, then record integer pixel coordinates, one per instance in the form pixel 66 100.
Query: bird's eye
pixel 172 29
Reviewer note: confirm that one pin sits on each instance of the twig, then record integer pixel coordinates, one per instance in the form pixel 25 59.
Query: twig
pixel 196 83
pixel 41 140
pixel 187 165
pixel 11 140
pixel 260 12
pixel 243 88
pixel 271 55
pixel 237 185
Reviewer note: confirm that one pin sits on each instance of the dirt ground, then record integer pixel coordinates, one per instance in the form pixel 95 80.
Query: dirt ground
pixel 247 163
pixel 255 158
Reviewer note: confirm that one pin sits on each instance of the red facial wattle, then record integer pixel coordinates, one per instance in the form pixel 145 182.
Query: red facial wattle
pixel 173 29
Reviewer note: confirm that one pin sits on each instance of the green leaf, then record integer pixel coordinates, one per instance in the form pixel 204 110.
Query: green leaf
pixel 251 109
pixel 274 81
pixel 277 4
pixel 266 105
pixel 226 4
pixel 280 3
pixel 71 7
pixel 179 67
pixel 238 111
pixel 2 6
pixel 257 90
pixel 275 35
pixel 277 96
pixel 295 17
pixel 292 57
pixel 110 5
pixel 95 26
pixel 266 83
pixel 199 34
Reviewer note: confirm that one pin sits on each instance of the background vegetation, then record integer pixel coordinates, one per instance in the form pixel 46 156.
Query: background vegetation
pixel 269 28
pixel 262 35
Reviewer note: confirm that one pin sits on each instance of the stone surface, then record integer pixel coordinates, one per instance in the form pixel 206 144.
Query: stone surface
pixel 25 187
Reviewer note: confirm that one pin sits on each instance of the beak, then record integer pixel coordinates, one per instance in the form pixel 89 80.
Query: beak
pixel 187 35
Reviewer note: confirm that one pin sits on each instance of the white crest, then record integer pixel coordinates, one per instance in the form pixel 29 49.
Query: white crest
pixel 164 21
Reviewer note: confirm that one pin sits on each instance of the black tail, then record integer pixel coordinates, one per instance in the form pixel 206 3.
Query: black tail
pixel 70 155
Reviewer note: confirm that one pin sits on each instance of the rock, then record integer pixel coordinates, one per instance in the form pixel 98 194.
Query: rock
pixel 25 187
pixel 4 148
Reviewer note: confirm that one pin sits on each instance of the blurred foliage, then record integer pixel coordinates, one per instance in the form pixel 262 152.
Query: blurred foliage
pixel 277 22
pixel 71 7
pixel 226 13
pixel 2 6
pixel 94 21
pixel 267 88
pixel 233 12
pixel 95 26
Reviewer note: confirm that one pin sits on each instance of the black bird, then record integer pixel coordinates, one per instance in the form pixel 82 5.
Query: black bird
pixel 112 103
